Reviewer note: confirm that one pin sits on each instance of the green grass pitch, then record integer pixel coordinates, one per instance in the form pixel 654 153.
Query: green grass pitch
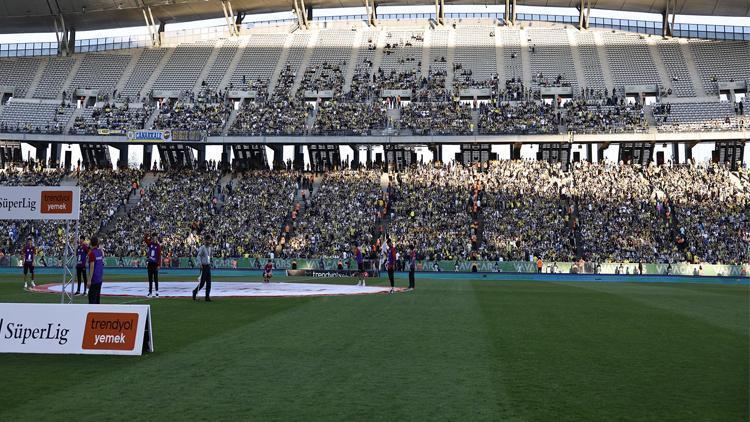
pixel 451 350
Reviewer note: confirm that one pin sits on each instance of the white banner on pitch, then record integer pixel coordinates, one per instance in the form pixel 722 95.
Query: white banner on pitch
pixel 75 329
pixel 40 202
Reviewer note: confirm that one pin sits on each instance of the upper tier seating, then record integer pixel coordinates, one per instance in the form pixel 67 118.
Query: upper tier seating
pixel 720 61
pixel 100 71
pixel 34 117
pixel 259 58
pixel 184 67
pixel 223 60
pixel 475 52
pixel 671 55
pixel 630 60
pixel 19 73
pixel 54 76
pixel 144 68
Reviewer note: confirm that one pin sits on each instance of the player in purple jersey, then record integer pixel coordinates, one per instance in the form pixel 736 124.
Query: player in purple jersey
pixel 96 269
pixel 153 263
pixel 81 256
pixel 29 252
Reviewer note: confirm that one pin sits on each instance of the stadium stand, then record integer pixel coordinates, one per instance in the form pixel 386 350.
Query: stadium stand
pixel 100 71
pixel 589 61
pixel 696 117
pixel 671 55
pixel 55 73
pixel 147 65
pixel 551 58
pixel 227 51
pixel 391 58
pixel 111 116
pixel 627 52
pixel 184 67
pixel 722 61
pixel 18 73
pixel 475 52
pixel 259 59
pixel 33 116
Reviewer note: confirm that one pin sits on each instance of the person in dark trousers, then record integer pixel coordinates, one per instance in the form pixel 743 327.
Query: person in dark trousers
pixel 204 260
pixel 81 255
pixel 412 266
pixel 96 269
pixel 391 263
pixel 360 265
pixel 153 263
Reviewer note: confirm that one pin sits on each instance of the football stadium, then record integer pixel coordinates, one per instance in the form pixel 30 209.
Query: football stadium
pixel 378 210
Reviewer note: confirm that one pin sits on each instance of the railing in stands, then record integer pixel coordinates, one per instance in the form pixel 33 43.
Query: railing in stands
pixel 711 32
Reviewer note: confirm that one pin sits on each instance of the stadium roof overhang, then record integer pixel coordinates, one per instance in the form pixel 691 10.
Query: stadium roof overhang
pixel 19 16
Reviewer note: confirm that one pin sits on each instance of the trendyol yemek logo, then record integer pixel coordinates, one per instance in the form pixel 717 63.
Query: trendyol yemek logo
pixel 110 331
pixel 57 202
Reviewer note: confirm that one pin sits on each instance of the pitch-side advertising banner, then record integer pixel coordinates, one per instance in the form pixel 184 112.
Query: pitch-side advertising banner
pixel 75 329
pixel 40 202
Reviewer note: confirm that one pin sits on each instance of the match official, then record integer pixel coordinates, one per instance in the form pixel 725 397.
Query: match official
pixel 96 269
pixel 412 266
pixel 81 256
pixel 204 260
pixel 391 263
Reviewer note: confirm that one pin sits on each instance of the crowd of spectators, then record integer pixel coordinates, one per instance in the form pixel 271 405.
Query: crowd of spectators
pixel 526 212
pixel 429 210
pixel 437 118
pixel 112 116
pixel 103 192
pixel 253 212
pixel 587 116
pixel 324 77
pixel 207 111
pixel 277 115
pixel 177 207
pixel 521 118
pixel 503 210
pixel 335 117
pixel 346 210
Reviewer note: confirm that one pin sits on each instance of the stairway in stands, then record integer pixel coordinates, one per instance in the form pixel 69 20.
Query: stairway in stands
pixel 572 205
pixel 133 200
pixel 298 199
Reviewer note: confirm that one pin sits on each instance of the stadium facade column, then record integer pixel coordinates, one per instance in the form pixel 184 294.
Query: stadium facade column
pixel 440 12
pixel 584 12
pixel 148 161
pixel 676 152
pixel 355 157
pixel 666 26
pixel 41 152
pixel 600 148
pixel 689 150
pixel 226 153
pixel 299 157
pixel 510 12
pixel 437 152
pixel 201 156
pixel 589 153
pixel 515 151
pixel 278 157
pixel 122 160
pixel 55 154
